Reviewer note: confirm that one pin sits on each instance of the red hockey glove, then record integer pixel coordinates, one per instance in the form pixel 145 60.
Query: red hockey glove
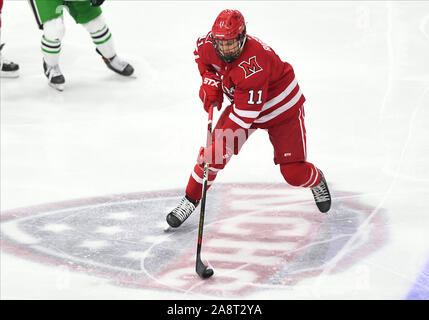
pixel 211 91
pixel 214 156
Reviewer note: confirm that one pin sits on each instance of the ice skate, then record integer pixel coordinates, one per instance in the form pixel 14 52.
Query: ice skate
pixel 182 212
pixel 321 195
pixel 118 65
pixel 54 75
pixel 8 69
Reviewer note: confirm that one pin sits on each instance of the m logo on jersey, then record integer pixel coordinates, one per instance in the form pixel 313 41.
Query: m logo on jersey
pixel 250 67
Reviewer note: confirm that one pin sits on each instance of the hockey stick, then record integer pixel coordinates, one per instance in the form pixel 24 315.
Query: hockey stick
pixel 202 270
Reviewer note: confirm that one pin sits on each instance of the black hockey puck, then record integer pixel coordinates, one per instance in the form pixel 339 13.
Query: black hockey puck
pixel 207 273
pixel 202 270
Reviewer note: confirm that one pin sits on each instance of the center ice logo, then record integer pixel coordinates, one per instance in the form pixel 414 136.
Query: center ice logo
pixel 256 236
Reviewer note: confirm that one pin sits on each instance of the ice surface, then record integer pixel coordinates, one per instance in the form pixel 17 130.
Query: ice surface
pixel 364 70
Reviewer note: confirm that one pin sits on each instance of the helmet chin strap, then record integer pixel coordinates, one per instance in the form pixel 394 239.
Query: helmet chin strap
pixel 244 41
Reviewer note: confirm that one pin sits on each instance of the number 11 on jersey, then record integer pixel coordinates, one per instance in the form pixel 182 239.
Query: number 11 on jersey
pixel 252 97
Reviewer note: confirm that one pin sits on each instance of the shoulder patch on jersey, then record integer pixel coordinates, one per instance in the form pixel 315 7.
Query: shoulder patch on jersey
pixel 200 41
pixel 250 67
pixel 209 38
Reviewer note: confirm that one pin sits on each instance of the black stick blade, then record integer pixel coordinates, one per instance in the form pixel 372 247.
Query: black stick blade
pixel 203 271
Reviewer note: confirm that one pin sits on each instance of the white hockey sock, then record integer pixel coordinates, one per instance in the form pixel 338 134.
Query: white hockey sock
pixel 51 40
pixel 51 51
pixel 101 36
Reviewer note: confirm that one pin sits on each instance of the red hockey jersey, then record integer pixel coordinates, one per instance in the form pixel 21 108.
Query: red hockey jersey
pixel 262 88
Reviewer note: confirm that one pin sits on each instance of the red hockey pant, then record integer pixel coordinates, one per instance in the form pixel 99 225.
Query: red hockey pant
pixel 289 142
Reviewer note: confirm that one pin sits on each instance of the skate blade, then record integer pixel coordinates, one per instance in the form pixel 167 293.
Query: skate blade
pixel 167 228
pixel 59 87
pixel 9 74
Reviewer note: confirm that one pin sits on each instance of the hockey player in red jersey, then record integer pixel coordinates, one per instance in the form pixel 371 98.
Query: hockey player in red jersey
pixel 265 94
pixel 8 69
